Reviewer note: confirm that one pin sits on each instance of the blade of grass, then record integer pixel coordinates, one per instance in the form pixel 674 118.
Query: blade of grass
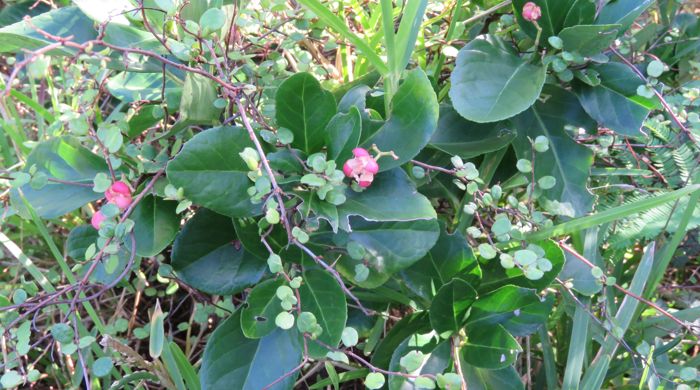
pixel 391 79
pixel 595 375
pixel 550 367
pixel 609 214
pixel 411 22
pixel 339 25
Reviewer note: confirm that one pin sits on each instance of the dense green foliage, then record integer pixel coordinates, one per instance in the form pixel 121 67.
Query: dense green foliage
pixel 221 194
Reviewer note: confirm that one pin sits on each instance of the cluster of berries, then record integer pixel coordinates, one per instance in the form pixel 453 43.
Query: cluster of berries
pixel 362 167
pixel 118 194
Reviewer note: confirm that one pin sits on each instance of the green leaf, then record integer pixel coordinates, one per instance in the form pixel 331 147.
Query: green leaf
pixel 11 379
pixel 490 347
pixel 589 40
pixel 482 92
pixel 284 320
pixel 156 338
pixel 500 305
pixel 212 173
pixel 102 366
pixel 374 380
pixel 460 137
pixel 61 158
pixel 566 160
pixel 484 379
pixel 623 12
pixel 615 103
pixel 63 22
pixel 349 337
pixel 63 333
pixel 392 197
pixel 321 295
pixel 15 12
pixel 412 122
pixel 450 257
pixel 556 14
pixel 232 361
pixel 212 19
pixel 155 225
pixel 134 86
pixel 530 318
pixel 206 257
pixel 262 305
pixel 391 247
pixel 305 108
pixel 450 307
pixel 198 96
pixel 343 135
pixel 496 276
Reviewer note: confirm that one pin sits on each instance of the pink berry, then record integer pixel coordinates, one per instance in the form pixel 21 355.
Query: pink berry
pixel 119 194
pixel 121 188
pixel 360 152
pixel 97 219
pixel 372 166
pixel 531 12
pixel 347 169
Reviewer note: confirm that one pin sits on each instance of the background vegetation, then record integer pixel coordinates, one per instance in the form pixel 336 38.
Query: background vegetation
pixel 270 194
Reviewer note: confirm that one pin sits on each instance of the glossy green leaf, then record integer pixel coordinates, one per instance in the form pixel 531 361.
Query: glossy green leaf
pixel 623 12
pixel 391 247
pixel 490 83
pixel 343 135
pixel 14 12
pixel 61 158
pixel 206 257
pixel 484 379
pixel 496 276
pixel 63 22
pixel 212 173
pixel 261 307
pixel 490 347
pixel 412 122
pixel 391 197
pixel 450 307
pixel 566 160
pixel 132 86
pixel 556 14
pixel 460 137
pixel 155 225
pixel 500 305
pixel 589 40
pixel 530 318
pixel 305 108
pixel 321 295
pixel 450 257
pixel 197 103
pixel 615 103
pixel 232 361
